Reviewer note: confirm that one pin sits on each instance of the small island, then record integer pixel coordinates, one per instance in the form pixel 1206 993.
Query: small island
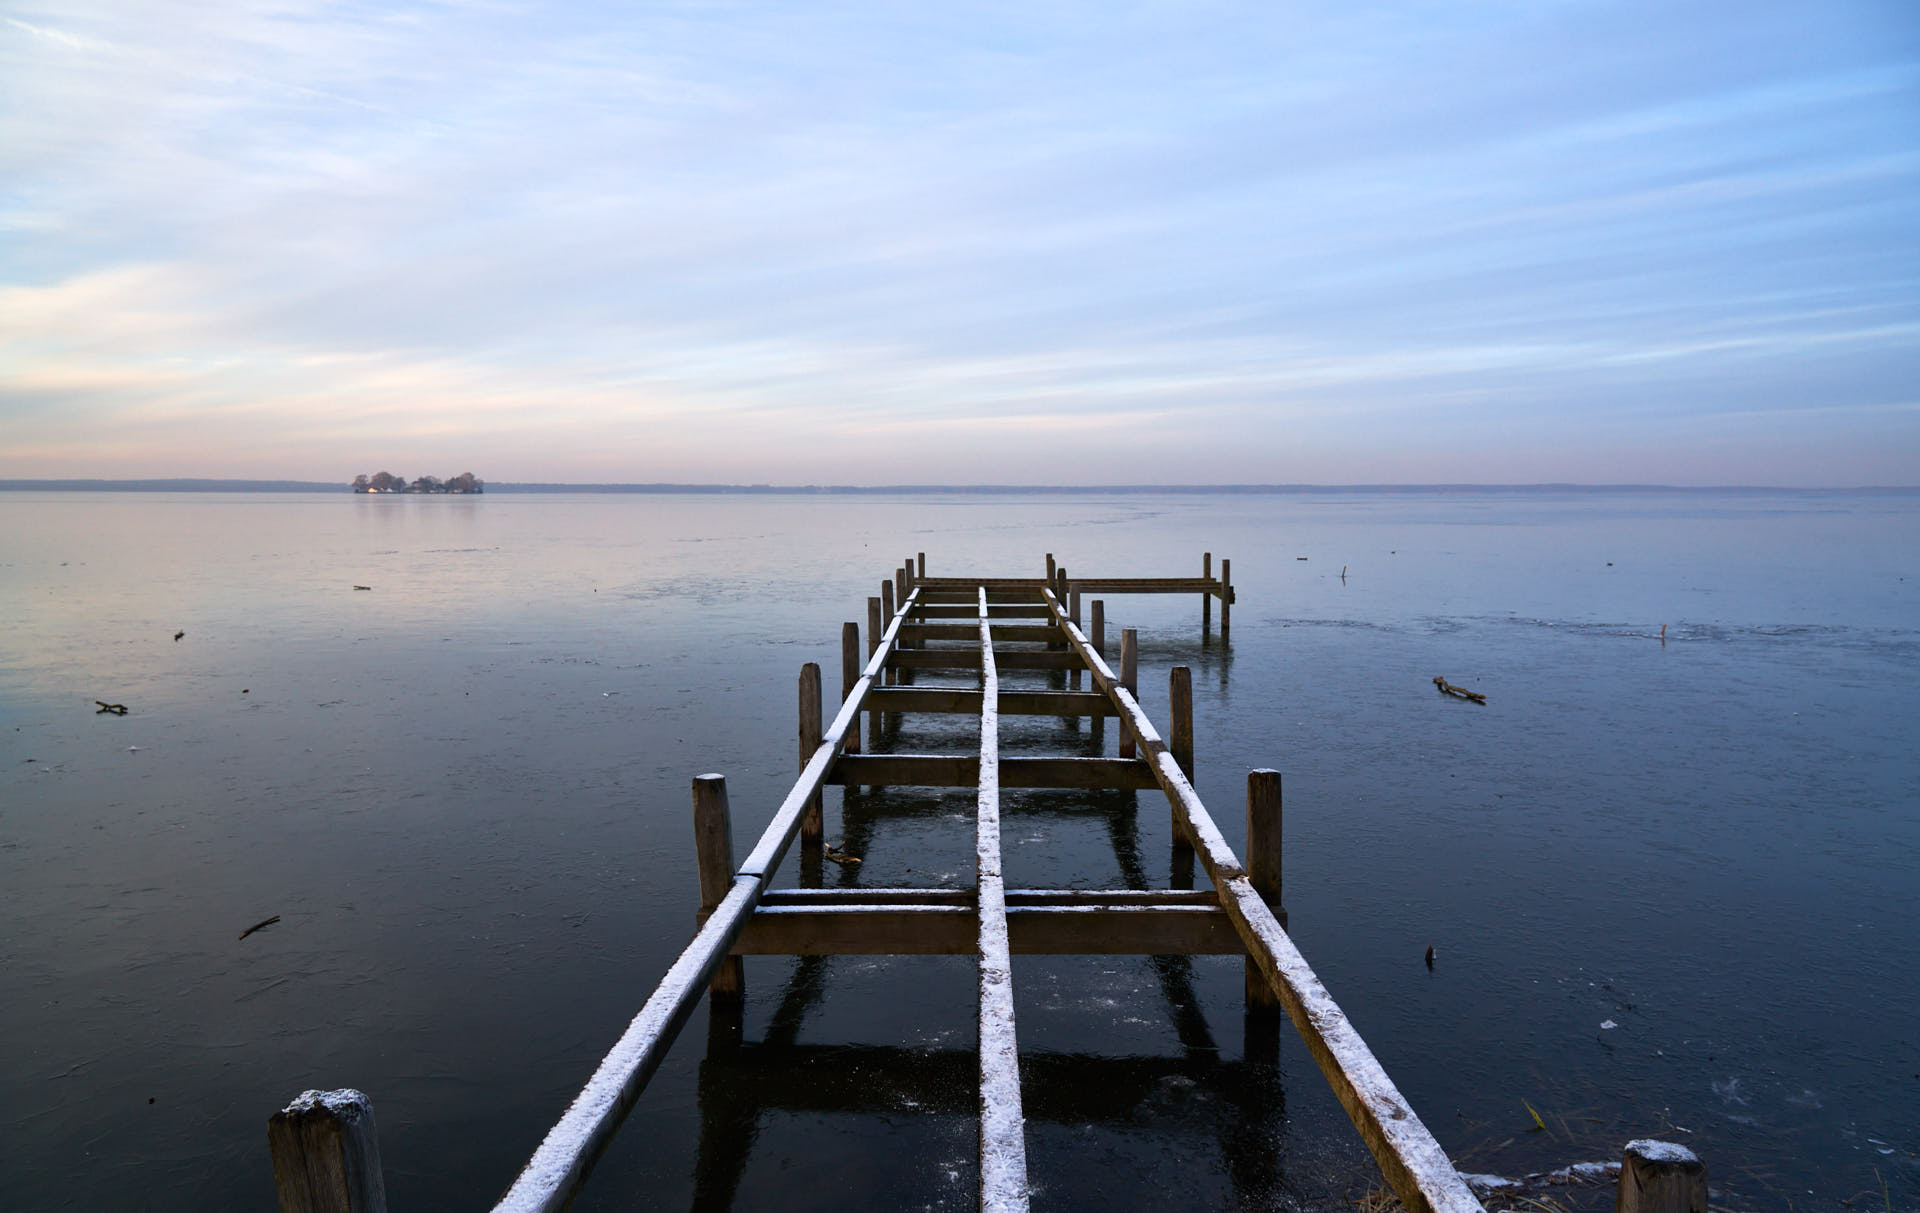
pixel 387 482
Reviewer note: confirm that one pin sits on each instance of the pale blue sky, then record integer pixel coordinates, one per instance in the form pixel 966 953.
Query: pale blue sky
pixel 1020 243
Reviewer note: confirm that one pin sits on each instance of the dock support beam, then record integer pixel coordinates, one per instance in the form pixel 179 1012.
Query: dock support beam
pixel 876 629
pixel 1130 679
pixel 1226 601
pixel 713 841
pixel 1180 738
pixel 1263 871
pixel 326 1155
pixel 850 667
pixel 1206 599
pixel 1660 1177
pixel 813 826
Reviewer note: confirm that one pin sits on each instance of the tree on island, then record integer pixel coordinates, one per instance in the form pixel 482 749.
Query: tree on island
pixel 387 482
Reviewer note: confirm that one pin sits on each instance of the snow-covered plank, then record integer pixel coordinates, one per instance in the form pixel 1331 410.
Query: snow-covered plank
pixel 1003 1142
pixel 549 1179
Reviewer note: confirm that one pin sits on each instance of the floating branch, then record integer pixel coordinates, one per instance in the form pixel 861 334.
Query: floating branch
pixel 1447 688
pixel 265 922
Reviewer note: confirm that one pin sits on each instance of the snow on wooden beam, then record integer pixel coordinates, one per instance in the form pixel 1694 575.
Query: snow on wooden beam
pixel 1003 1141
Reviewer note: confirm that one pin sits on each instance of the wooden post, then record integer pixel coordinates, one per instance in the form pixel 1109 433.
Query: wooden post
pixel 886 621
pixel 1206 599
pixel 1661 1177
pixel 1097 624
pixel 1180 733
pixel 1180 714
pixel 1049 568
pixel 875 629
pixel 326 1155
pixel 1263 871
pixel 850 667
pixel 922 572
pixel 813 826
pixel 1073 613
pixel 713 843
pixel 1130 679
pixel 899 590
pixel 1226 600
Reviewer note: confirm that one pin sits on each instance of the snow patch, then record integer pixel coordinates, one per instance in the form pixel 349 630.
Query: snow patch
pixel 1663 1152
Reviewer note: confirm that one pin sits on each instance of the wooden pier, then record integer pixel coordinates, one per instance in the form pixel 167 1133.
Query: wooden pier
pixel 975 628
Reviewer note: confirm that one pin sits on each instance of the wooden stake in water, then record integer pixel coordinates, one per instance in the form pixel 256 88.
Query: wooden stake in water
pixel 1206 598
pixel 1226 600
pixel 876 627
pixel 1263 871
pixel 1660 1177
pixel 1130 679
pixel 813 825
pixel 886 620
pixel 1180 734
pixel 713 843
pixel 326 1155
pixel 850 667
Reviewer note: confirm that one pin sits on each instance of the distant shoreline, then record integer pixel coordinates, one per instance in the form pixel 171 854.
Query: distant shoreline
pixel 182 485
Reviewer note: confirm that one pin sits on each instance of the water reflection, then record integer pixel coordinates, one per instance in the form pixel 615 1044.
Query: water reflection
pixel 741 1083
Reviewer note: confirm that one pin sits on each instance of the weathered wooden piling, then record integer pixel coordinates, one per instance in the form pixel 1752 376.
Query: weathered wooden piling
pixel 713 845
pixel 813 826
pixel 1206 596
pixel 1226 600
pixel 1129 679
pixel 850 664
pixel 1180 732
pixel 1660 1177
pixel 326 1155
pixel 1263 870
pixel 876 625
pixel 886 613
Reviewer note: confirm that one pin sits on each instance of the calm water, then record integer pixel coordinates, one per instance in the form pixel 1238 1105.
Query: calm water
pixel 1672 888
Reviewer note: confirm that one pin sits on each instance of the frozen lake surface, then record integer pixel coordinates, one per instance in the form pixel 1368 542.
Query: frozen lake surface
pixel 1673 889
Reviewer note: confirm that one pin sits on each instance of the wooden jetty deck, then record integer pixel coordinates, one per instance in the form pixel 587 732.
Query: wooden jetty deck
pixel 976 627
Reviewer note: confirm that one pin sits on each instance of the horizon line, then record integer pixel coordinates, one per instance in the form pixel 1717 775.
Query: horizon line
pixel 231 484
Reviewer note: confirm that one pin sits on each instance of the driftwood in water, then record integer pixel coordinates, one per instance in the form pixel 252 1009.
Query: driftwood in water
pixel 264 922
pixel 1447 688
pixel 113 709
